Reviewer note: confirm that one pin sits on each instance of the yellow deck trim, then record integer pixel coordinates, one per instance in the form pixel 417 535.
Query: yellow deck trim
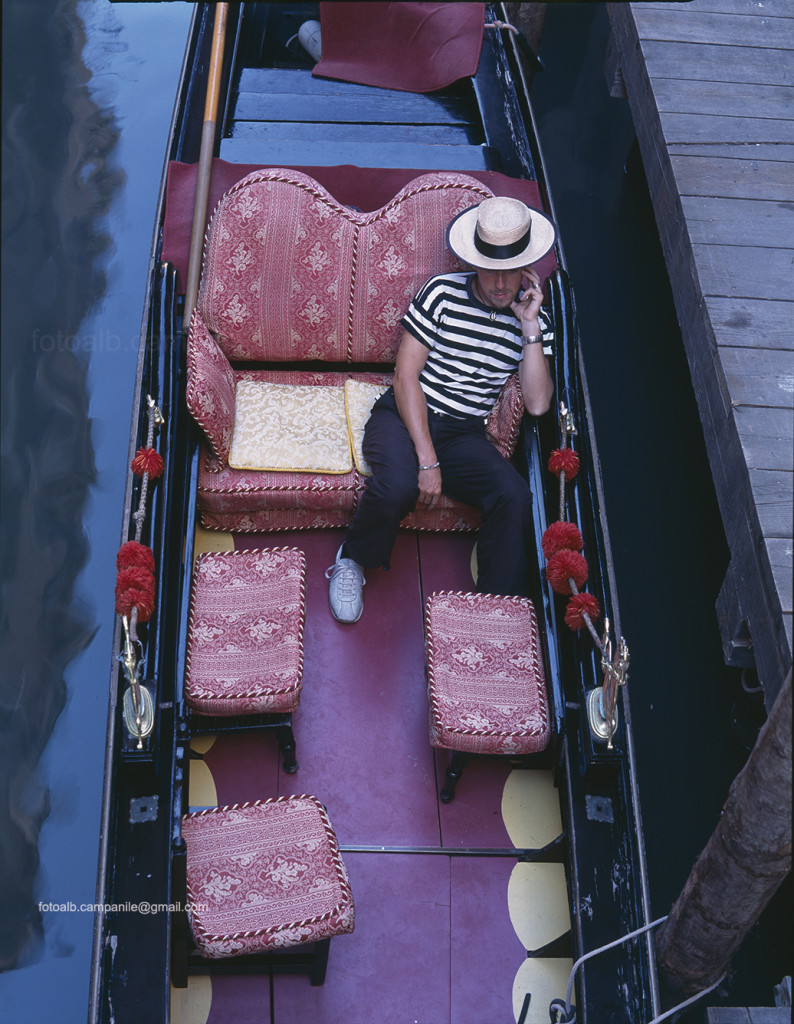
pixel 531 808
pixel 191 1005
pixel 202 791
pixel 545 980
pixel 537 894
pixel 211 540
pixel 537 898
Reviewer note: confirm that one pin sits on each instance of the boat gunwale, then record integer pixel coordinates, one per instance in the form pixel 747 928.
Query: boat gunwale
pixel 530 431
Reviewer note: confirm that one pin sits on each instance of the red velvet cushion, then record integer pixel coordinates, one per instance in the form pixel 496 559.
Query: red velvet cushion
pixel 265 875
pixel 485 670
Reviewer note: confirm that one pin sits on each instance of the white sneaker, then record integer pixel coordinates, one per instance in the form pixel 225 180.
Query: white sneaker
pixel 345 589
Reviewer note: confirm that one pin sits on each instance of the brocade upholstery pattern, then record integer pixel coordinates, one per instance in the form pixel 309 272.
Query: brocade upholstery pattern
pixel 265 875
pixel 210 388
pixel 504 420
pixel 486 684
pixel 349 276
pixel 245 634
pixel 290 427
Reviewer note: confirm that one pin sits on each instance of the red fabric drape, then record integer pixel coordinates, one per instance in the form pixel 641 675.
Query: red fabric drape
pixel 415 47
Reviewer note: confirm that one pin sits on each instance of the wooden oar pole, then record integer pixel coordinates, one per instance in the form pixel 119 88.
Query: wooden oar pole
pixel 205 161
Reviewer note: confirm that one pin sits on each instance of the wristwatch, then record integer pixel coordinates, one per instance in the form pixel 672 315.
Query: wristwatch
pixel 532 339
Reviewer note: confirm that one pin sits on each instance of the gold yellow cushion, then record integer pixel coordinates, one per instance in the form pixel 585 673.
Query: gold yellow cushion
pixel 297 428
pixel 359 399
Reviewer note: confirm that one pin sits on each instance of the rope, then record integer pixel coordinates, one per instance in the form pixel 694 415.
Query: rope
pixel 688 1002
pixel 566 1007
pixel 501 24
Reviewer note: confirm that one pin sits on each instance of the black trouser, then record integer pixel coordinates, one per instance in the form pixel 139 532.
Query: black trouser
pixel 472 471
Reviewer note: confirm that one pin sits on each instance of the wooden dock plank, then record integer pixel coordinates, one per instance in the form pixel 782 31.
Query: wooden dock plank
pixel 716 220
pixel 734 150
pixel 752 65
pixel 751 322
pixel 687 23
pixel 686 96
pixel 709 83
pixel 765 437
pixel 743 271
pixel 751 7
pixel 779 550
pixel 759 376
pixel 740 179
pixel 772 491
pixel 726 128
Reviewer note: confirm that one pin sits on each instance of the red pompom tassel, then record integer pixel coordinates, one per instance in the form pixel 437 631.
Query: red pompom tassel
pixel 579 606
pixel 134 554
pixel 564 566
pixel 147 460
pixel 135 589
pixel 564 460
pixel 560 536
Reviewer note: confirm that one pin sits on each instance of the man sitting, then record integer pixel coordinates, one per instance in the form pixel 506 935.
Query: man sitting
pixel 464 335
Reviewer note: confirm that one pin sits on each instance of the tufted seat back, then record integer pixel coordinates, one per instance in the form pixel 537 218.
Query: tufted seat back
pixel 292 275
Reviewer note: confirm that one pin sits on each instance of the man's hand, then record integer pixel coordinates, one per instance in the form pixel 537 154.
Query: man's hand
pixel 528 303
pixel 429 487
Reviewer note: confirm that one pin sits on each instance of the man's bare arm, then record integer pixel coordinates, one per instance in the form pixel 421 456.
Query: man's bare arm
pixel 412 406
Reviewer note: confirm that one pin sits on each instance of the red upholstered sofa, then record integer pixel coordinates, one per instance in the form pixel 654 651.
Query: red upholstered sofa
pixel 299 289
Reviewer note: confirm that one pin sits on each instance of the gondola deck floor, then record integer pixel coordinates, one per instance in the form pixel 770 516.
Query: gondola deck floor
pixel 438 937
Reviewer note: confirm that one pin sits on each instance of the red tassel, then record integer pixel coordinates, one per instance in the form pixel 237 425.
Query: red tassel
pixel 135 589
pixel 134 554
pixel 564 566
pixel 579 606
pixel 148 460
pixel 564 460
pixel 561 535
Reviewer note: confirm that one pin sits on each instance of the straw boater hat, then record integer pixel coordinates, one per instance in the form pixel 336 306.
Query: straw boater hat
pixel 500 234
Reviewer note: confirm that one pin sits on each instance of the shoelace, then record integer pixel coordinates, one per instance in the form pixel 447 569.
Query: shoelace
pixel 346 577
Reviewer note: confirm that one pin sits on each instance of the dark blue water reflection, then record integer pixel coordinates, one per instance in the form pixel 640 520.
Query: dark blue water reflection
pixel 88 91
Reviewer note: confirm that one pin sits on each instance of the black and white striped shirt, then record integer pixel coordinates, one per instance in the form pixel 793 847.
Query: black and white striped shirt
pixel 473 348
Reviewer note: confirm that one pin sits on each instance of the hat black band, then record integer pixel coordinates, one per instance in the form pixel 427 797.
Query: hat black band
pixel 501 252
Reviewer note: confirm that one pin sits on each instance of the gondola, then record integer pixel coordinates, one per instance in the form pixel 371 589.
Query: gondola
pixel 525 898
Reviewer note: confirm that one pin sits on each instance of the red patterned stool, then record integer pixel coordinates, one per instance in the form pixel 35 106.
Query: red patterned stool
pixel 258 879
pixel 486 684
pixel 245 642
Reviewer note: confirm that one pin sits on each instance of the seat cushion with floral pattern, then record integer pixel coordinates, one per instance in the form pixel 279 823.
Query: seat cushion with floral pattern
pixel 245 632
pixel 264 875
pixel 486 684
